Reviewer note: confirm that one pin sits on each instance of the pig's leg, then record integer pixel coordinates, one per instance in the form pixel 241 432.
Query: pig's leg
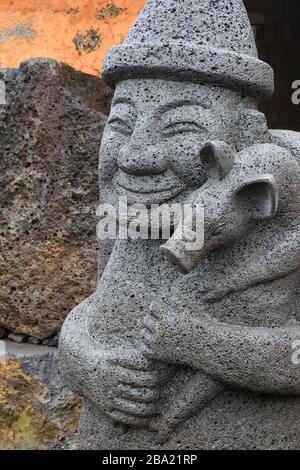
pixel 193 395
pixel 186 394
pixel 259 359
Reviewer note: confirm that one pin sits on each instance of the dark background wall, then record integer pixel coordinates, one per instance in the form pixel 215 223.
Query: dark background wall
pixel 278 42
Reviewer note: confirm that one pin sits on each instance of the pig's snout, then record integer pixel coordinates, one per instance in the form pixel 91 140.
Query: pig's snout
pixel 172 253
pixel 183 249
pixel 179 252
pixel 185 264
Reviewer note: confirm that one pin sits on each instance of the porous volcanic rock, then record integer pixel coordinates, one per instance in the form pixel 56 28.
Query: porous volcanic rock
pixel 50 131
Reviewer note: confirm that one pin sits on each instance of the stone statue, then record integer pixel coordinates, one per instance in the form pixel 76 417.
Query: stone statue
pixel 181 349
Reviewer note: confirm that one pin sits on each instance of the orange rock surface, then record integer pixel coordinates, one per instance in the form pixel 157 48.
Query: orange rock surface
pixel 77 32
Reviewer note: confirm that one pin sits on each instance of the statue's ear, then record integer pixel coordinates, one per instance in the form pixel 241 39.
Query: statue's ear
pixel 217 159
pixel 259 197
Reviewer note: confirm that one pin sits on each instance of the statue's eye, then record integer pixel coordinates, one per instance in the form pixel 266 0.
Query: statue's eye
pixel 181 127
pixel 121 126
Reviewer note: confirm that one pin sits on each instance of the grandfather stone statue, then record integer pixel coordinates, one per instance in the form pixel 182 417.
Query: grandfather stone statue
pixel 182 348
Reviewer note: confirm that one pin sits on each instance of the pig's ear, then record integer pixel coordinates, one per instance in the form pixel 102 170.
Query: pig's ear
pixel 217 159
pixel 259 197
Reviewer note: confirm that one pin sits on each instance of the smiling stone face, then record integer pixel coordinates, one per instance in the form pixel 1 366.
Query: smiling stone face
pixel 151 146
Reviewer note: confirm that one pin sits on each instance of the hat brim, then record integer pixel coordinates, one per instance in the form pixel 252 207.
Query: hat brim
pixel 221 67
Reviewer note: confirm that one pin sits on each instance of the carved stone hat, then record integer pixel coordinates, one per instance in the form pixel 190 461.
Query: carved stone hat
pixel 202 41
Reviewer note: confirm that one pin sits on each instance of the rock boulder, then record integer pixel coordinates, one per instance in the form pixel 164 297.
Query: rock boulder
pixel 50 131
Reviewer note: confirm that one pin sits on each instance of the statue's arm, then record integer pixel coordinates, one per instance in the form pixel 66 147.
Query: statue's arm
pixel 278 260
pixel 258 359
pixel 78 359
pixel 274 259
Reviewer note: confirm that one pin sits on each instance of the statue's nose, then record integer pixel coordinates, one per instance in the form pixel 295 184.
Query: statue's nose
pixel 141 160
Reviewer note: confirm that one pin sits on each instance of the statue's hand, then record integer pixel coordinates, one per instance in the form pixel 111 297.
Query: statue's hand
pixel 134 385
pixel 163 333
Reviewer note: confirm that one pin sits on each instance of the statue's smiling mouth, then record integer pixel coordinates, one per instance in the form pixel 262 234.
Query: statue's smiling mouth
pixel 163 186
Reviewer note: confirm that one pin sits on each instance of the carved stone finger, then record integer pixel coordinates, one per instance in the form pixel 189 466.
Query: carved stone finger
pixel 155 310
pixel 134 408
pixel 147 337
pixel 136 362
pixel 148 352
pixel 150 324
pixel 138 379
pixel 143 395
pixel 129 420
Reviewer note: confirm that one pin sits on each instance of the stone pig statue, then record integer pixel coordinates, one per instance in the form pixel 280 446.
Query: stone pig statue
pixel 250 200
pixel 253 195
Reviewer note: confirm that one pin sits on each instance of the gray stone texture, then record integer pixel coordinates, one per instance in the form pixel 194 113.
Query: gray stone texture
pixel 50 129
pixel 198 357
pixel 195 41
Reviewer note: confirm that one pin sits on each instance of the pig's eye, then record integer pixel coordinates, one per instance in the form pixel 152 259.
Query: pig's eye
pixel 218 230
pixel 181 127
pixel 121 126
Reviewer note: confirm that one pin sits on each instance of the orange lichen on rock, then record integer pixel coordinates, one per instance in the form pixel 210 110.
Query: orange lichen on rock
pixel 77 32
